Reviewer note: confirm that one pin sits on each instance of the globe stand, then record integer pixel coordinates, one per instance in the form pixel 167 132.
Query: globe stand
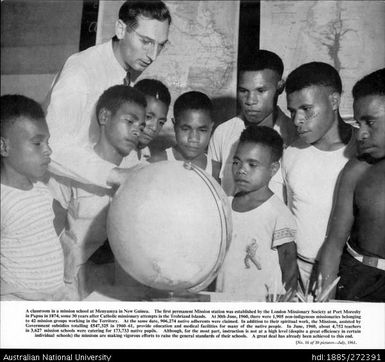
pixel 178 296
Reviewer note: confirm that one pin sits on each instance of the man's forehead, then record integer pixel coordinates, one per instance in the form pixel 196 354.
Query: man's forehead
pixel 262 74
pixel 191 114
pixel 130 107
pixel 316 92
pixel 152 28
pixel 370 105
pixel 28 126
pixel 253 149
pixel 24 121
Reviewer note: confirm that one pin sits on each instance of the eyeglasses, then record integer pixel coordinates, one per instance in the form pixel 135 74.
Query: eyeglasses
pixel 148 43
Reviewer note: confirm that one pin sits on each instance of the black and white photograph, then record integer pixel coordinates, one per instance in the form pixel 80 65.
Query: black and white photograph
pixel 192 175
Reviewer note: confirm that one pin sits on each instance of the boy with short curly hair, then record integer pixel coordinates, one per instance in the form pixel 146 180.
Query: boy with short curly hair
pixel 355 246
pixel 262 254
pixel 31 260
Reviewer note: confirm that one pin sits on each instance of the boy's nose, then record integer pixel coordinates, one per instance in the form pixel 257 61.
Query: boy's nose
pixel 297 119
pixel 241 171
pixel 362 133
pixel 137 130
pixel 48 150
pixel 151 125
pixel 194 137
pixel 251 98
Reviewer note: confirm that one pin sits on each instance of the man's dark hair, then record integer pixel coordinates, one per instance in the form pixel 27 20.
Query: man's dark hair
pixel 313 74
pixel 13 106
pixel 151 9
pixel 371 84
pixel 192 101
pixel 265 136
pixel 260 60
pixel 113 98
pixel 154 88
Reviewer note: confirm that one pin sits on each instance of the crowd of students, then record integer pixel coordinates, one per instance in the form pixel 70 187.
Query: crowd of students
pixel 307 192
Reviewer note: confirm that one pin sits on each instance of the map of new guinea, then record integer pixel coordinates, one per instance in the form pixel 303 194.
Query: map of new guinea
pixel 202 54
pixel 348 35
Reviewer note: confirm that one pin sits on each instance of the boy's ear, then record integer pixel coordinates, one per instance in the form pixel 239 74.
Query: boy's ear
pixel 104 116
pixel 281 86
pixel 4 147
pixel 274 168
pixel 120 29
pixel 335 99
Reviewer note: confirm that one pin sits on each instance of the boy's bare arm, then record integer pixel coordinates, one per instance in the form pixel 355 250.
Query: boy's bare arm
pixel 340 224
pixel 287 254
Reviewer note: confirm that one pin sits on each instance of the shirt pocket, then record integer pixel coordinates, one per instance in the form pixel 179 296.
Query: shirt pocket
pixel 85 205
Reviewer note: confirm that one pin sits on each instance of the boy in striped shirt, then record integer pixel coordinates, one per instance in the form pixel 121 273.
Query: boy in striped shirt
pixel 31 263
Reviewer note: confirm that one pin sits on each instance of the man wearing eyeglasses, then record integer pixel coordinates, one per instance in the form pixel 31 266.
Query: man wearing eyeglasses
pixel 141 32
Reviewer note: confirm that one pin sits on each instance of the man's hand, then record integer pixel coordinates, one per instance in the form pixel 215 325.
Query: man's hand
pixel 119 175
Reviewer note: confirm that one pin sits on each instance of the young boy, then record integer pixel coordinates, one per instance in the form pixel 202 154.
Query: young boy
pixel 158 101
pixel 259 85
pixel 193 125
pixel 311 165
pixel 359 212
pixel 121 116
pixel 31 261
pixel 262 254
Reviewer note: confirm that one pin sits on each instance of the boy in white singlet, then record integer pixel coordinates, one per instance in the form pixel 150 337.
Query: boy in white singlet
pixel 312 164
pixel 260 83
pixel 193 125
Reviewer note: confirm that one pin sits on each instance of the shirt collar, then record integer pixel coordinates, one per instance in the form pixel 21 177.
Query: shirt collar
pixel 116 67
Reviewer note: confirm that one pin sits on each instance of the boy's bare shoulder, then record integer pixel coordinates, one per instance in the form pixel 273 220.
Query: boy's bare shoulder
pixel 354 169
pixel 377 170
pixel 355 165
pixel 380 165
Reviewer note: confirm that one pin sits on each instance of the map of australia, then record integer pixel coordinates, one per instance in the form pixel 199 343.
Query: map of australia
pixel 203 49
pixel 346 34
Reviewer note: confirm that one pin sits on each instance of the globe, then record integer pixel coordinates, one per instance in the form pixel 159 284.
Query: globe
pixel 169 226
